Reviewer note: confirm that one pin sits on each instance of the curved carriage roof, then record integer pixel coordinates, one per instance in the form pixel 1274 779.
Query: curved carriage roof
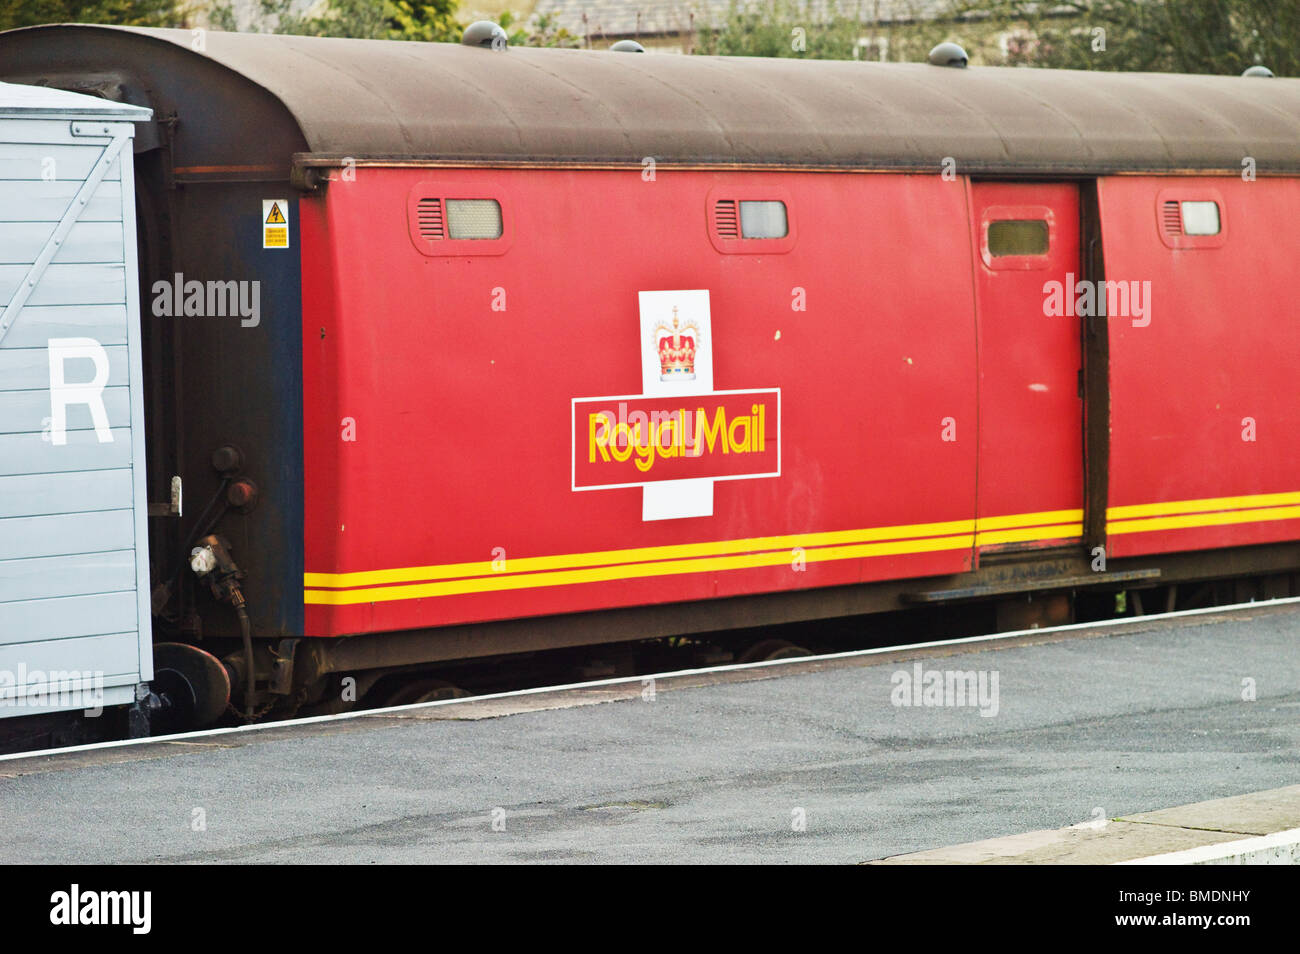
pixel 366 98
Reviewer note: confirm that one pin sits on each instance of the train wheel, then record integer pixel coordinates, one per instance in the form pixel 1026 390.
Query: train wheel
pixel 424 690
pixel 769 649
pixel 193 685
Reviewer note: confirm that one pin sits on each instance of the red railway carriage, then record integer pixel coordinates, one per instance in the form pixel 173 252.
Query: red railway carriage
pixel 473 443
pixel 567 347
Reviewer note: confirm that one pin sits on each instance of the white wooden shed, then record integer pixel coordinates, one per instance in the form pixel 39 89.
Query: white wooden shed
pixel 74 572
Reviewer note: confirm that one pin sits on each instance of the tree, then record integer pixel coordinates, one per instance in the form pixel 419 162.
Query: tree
pixel 542 31
pixel 824 29
pixel 1178 36
pixel 425 20
pixel 156 13
pixel 1185 36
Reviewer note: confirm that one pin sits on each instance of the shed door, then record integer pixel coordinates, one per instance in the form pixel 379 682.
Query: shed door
pixel 1030 477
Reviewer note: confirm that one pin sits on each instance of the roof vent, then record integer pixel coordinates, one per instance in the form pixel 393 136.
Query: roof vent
pixel 948 54
pixel 1259 71
pixel 484 33
pixel 628 46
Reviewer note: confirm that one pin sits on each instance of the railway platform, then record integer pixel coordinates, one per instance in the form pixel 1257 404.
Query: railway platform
pixel 1088 738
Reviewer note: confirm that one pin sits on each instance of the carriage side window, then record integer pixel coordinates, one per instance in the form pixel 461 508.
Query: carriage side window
pixel 1200 218
pixel 1191 217
pixel 1017 237
pixel 763 220
pixel 473 219
pixel 740 225
pixel 440 225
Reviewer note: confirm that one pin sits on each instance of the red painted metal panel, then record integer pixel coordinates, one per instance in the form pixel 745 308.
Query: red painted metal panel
pixel 1206 379
pixel 1030 412
pixel 458 376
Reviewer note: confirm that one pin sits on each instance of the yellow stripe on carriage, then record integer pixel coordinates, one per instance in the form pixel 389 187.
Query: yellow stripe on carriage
pixel 501 581
pixel 567 561
pixel 374 586
pixel 1200 506
pixel 1224 518
pixel 451 571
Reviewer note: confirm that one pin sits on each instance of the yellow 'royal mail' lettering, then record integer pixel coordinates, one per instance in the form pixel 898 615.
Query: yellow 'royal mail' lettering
pixel 710 437
pixel 598 443
pixel 667 435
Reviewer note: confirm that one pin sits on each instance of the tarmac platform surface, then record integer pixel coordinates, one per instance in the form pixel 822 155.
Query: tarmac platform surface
pixel 801 761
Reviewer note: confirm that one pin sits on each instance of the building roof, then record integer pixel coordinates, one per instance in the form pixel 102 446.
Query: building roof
pixel 406 100
pixel 35 102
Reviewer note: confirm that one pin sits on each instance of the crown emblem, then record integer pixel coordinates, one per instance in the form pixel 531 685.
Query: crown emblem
pixel 676 346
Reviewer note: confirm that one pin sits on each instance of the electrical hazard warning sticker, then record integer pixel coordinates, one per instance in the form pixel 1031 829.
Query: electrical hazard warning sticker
pixel 275 223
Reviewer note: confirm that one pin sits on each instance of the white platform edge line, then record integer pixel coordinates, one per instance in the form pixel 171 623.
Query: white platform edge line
pixel 675 674
pixel 1221 850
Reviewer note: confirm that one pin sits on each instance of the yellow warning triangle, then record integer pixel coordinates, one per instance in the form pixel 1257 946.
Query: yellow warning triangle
pixel 275 217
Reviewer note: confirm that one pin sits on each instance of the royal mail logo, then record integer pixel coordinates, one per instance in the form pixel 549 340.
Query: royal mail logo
pixel 679 435
pixel 626 442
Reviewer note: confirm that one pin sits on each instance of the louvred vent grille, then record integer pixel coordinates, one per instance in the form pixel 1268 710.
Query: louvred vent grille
pixel 726 220
pixel 429 220
pixel 1172 217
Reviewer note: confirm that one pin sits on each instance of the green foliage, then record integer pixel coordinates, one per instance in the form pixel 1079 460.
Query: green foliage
pixel 543 31
pixel 429 22
pixel 424 20
pixel 1182 36
pixel 779 28
pixel 846 30
pixel 20 13
pixel 1185 36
